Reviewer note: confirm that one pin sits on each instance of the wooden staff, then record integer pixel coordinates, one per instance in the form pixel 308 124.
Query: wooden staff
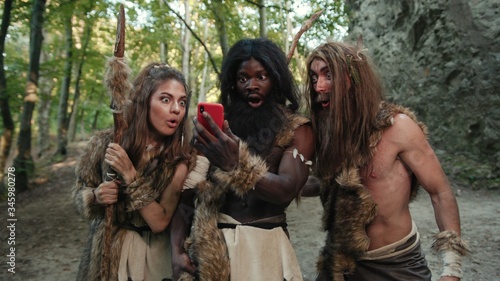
pixel 303 29
pixel 118 85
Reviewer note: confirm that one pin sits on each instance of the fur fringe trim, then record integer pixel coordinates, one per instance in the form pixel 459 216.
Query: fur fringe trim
pixel 87 178
pixel 349 207
pixel 147 188
pixel 449 240
pixel 186 277
pixel 206 245
pixel 385 116
pixel 349 179
pixel 117 81
pixel 87 197
pixel 286 135
pixel 250 170
pixel 90 264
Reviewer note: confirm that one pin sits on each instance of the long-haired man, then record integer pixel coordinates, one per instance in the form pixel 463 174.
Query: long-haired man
pixel 371 157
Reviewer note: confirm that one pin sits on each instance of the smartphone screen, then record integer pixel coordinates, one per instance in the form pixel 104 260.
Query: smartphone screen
pixel 216 111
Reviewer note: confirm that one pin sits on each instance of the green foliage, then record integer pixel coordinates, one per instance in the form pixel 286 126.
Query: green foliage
pixel 20 19
pixel 149 23
pixel 467 171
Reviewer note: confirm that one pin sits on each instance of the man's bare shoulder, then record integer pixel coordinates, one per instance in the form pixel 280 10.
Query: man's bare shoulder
pixel 404 128
pixel 305 130
pixel 304 139
pixel 401 119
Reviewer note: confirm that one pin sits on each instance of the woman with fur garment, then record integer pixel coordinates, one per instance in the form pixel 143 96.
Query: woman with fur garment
pixel 152 162
pixel 371 157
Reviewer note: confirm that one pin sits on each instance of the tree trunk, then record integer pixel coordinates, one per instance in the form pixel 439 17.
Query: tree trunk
pixel 94 122
pixel 47 85
pixel 288 30
pixel 262 19
pixel 72 121
pixel 163 43
pixel 202 94
pixel 74 108
pixel 97 112
pixel 83 133
pixel 220 23
pixel 62 126
pixel 44 103
pixel 7 122
pixel 23 162
pixel 185 43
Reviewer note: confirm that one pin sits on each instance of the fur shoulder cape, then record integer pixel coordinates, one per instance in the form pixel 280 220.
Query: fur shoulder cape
pixel 206 245
pixel 349 207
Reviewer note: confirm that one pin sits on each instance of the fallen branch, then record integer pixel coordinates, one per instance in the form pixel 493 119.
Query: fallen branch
pixel 303 29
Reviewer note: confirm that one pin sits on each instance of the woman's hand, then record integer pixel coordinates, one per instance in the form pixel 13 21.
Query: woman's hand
pixel 106 193
pixel 118 159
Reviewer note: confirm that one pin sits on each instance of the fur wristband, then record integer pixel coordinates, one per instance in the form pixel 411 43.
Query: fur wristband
pixel 199 173
pixel 87 204
pixel 250 170
pixel 137 196
pixel 452 249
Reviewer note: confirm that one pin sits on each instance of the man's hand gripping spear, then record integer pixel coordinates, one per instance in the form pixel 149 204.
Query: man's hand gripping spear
pixel 118 85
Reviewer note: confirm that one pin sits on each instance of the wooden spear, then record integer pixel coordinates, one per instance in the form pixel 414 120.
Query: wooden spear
pixel 303 29
pixel 118 85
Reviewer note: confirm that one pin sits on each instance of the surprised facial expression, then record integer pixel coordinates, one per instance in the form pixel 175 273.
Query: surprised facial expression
pixel 253 82
pixel 321 80
pixel 167 107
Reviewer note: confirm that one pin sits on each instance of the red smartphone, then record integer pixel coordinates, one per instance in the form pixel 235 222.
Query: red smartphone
pixel 216 111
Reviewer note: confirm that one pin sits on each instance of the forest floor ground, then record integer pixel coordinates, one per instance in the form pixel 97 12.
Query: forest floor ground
pixel 49 233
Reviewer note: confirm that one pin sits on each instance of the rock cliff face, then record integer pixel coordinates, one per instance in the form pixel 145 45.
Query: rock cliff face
pixel 442 59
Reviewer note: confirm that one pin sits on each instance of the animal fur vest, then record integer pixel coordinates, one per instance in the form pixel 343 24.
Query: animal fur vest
pixel 146 188
pixel 349 207
pixel 206 245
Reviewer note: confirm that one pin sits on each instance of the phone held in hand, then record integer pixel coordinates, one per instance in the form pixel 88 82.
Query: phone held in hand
pixel 216 111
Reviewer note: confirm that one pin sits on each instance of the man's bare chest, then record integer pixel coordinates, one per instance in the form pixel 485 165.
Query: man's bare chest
pixel 385 168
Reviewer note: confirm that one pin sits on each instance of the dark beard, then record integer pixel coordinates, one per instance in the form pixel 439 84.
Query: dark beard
pixel 323 138
pixel 258 127
pixel 327 163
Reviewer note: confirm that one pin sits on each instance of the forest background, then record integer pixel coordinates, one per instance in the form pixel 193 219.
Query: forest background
pixel 54 54
pixel 439 57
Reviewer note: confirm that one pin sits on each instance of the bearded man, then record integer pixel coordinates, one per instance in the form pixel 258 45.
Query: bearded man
pixel 259 166
pixel 371 157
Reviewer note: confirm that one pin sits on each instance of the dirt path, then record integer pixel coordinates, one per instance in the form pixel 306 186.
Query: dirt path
pixel 480 217
pixel 49 234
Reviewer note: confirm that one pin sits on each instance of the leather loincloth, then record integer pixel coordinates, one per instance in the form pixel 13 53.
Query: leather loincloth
pixel 402 260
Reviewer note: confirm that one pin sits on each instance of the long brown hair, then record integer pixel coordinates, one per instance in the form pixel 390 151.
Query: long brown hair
pixel 137 112
pixel 355 96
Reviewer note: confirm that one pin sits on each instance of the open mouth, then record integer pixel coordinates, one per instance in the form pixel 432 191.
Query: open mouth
pixel 172 123
pixel 323 102
pixel 254 100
